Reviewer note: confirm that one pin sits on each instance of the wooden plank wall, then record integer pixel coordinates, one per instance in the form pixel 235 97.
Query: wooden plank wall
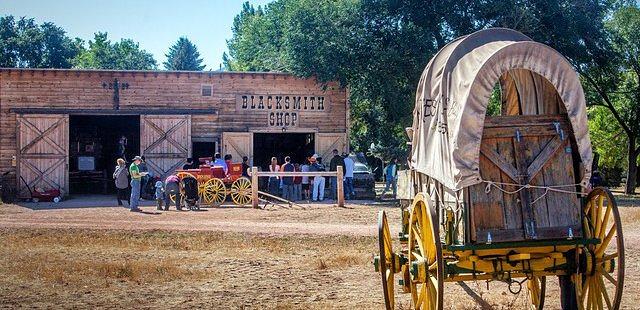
pixel 157 90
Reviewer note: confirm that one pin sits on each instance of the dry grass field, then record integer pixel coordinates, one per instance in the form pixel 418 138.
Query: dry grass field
pixel 318 258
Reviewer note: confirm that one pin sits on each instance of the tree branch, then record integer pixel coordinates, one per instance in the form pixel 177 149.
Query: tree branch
pixel 608 102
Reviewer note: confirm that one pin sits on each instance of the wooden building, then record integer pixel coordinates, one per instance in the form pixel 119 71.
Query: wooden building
pixel 64 126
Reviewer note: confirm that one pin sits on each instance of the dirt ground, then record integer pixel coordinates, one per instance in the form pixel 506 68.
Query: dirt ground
pixel 224 258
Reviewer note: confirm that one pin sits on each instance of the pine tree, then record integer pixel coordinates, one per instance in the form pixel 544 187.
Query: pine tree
pixel 183 56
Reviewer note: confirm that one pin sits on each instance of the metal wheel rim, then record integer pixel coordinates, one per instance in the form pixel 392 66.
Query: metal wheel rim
pixel 241 191
pixel 386 260
pixel 425 250
pixel 597 288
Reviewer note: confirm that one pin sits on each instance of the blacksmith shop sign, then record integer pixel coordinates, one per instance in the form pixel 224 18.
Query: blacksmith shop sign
pixel 282 110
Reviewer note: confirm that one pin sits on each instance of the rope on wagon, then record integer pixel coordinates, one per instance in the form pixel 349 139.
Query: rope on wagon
pixel 547 189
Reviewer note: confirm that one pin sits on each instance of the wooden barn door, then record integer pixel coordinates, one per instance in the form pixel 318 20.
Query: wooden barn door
pixel 522 150
pixel 238 144
pixel 165 142
pixel 327 142
pixel 43 152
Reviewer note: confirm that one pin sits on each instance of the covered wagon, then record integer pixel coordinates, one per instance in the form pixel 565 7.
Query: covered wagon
pixel 499 175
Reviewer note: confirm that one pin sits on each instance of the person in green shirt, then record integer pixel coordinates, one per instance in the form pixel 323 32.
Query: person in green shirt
pixel 136 177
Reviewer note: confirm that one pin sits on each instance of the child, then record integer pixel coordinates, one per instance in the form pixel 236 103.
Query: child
pixel 159 195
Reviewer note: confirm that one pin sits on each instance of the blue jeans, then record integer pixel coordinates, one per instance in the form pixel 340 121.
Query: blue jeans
pixel 135 194
pixel 348 188
pixel 393 183
pixel 333 194
pixel 318 188
pixel 287 192
pixel 297 192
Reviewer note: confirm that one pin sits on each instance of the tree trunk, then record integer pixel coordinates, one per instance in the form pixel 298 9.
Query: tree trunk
pixel 632 171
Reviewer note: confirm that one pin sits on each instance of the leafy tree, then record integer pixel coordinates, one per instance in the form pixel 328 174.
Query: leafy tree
pixel 123 55
pixel 183 55
pixel 612 82
pixel 23 43
pixel 380 47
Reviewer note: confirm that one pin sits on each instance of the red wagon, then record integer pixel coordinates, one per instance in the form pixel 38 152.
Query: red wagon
pixel 214 185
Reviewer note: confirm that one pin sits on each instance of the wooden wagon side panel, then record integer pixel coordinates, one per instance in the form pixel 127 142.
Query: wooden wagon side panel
pixel 165 141
pixel 43 152
pixel 532 150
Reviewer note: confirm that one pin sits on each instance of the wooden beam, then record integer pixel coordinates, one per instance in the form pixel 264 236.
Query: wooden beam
pixel 497 160
pixel 254 187
pixel 339 188
pixel 154 111
pixel 544 156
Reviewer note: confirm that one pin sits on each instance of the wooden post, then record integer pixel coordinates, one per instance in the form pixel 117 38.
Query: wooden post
pixel 340 189
pixel 254 187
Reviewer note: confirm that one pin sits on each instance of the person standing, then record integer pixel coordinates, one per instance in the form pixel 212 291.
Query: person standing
pixel 136 179
pixel 121 177
pixel 349 165
pixel 297 184
pixel 391 177
pixel 159 194
pixel 245 166
pixel 287 182
pixel 172 187
pixel 144 193
pixel 122 148
pixel 274 182
pixel 336 161
pixel 318 181
pixel 305 180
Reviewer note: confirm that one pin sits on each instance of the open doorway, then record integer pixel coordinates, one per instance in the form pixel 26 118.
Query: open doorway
pixel 296 145
pixel 94 146
pixel 200 149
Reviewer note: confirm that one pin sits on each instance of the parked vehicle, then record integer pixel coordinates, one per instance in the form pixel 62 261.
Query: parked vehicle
pixel 364 182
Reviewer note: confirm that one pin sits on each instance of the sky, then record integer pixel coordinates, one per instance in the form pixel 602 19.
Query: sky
pixel 156 25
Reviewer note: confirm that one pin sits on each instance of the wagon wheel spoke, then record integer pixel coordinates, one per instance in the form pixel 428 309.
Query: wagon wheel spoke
pixel 537 289
pixel 385 261
pixel 241 191
pixel 425 256
pixel 604 260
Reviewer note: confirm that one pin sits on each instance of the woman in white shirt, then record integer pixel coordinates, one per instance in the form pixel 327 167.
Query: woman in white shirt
pixel 274 182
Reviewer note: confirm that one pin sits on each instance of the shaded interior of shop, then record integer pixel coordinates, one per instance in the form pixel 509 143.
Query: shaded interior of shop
pixel 95 143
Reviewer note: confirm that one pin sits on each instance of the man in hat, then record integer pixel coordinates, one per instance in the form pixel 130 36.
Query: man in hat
pixel 318 182
pixel 136 179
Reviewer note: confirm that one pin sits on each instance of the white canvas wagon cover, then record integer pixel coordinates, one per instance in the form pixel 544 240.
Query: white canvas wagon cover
pixel 454 91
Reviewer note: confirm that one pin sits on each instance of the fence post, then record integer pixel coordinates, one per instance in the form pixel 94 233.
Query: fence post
pixel 340 189
pixel 254 187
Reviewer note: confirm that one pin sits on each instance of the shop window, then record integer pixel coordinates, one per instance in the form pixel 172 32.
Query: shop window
pixel 206 90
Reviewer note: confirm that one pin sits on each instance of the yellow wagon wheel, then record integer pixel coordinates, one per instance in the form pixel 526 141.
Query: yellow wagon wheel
pixel 181 175
pixel 600 278
pixel 387 264
pixel 172 197
pixel 425 256
pixel 214 192
pixel 241 191
pixel 537 287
